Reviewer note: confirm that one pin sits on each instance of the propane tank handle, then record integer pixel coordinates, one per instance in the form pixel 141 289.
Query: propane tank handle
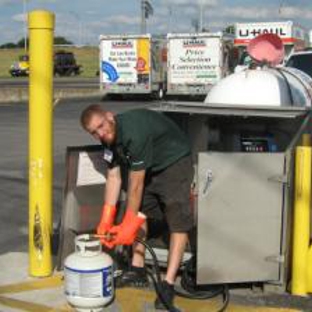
pixel 87 245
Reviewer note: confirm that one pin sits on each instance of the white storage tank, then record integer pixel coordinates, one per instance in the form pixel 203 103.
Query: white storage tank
pixel 263 86
pixel 88 274
pixel 265 83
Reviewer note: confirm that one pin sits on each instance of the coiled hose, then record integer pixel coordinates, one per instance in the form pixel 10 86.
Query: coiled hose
pixel 187 284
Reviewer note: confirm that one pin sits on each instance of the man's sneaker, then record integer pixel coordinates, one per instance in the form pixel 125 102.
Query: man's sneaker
pixel 167 295
pixel 135 277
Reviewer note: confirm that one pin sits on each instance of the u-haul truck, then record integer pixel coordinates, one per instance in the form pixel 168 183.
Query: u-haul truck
pixel 293 35
pixel 131 64
pixel 195 62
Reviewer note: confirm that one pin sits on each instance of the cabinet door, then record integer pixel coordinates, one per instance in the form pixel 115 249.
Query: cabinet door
pixel 240 217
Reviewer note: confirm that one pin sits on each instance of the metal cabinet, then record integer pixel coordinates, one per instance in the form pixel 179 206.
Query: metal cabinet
pixel 241 211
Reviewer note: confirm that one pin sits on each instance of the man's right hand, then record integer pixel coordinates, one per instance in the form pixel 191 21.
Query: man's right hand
pixel 107 219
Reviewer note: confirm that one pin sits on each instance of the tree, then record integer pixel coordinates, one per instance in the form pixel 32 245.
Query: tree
pixel 21 43
pixel 61 40
pixel 9 45
pixel 230 29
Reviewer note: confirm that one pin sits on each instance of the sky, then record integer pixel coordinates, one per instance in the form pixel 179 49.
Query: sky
pixel 82 21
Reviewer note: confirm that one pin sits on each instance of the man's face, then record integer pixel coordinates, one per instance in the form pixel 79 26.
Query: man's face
pixel 102 127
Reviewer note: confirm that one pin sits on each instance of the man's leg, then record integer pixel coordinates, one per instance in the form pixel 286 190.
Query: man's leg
pixel 175 192
pixel 177 246
pixel 135 275
pixel 138 249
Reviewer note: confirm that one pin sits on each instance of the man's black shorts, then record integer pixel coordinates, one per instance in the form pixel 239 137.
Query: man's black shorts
pixel 167 193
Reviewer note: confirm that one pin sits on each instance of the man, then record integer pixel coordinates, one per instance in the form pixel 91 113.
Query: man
pixel 157 157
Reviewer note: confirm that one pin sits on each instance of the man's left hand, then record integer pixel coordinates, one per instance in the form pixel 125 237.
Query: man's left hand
pixel 126 232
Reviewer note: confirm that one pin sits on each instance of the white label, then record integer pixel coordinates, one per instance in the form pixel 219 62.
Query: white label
pixel 91 168
pixel 194 61
pixel 90 284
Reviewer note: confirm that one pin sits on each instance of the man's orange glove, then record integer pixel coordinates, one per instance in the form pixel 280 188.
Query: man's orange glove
pixel 107 220
pixel 126 232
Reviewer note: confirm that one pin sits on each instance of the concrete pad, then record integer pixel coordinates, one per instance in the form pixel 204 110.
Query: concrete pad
pixel 14 268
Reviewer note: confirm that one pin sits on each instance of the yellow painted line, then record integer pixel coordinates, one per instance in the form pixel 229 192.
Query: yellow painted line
pixel 136 300
pixel 44 283
pixel 24 305
pixel 126 298
pixel 32 307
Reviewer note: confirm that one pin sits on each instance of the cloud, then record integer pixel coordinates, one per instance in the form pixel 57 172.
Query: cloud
pixel 20 2
pixel 19 18
pixel 5 2
pixel 123 19
pixel 295 12
pixel 252 13
pixel 245 12
pixel 193 3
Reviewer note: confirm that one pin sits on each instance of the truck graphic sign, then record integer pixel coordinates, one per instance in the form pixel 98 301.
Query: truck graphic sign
pixel 194 61
pixel 124 60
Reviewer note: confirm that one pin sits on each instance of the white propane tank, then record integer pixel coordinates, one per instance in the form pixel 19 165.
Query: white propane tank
pixel 88 274
pixel 267 87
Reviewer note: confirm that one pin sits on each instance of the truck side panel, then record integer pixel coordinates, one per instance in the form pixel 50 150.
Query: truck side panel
pixel 125 65
pixel 194 64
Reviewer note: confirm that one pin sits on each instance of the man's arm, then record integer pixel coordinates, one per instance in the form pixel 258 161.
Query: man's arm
pixel 113 186
pixel 111 196
pixel 135 190
pixel 126 232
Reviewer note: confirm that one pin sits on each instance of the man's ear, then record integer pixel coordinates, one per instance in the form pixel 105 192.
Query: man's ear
pixel 110 117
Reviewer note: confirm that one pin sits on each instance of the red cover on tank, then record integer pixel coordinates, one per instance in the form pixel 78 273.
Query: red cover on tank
pixel 266 48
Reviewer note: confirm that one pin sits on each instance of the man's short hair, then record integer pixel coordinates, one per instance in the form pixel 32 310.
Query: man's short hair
pixel 89 112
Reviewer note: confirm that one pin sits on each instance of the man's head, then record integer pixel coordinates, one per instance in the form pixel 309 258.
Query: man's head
pixel 99 123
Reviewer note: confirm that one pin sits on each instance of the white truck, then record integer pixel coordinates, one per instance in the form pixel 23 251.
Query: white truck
pixel 197 61
pixel 293 36
pixel 132 64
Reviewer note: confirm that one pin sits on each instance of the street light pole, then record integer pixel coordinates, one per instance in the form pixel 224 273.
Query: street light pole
pixel 146 11
pixel 201 16
pixel 143 17
pixel 25 24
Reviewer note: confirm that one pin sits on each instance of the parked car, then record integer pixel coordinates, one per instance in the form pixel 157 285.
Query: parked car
pixel 65 64
pixel 301 60
pixel 21 67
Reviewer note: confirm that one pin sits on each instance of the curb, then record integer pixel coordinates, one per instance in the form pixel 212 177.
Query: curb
pixel 13 95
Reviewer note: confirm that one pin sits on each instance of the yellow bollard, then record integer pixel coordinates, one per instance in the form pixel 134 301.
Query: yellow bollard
pixel 309 271
pixel 306 139
pixel 41 27
pixel 301 221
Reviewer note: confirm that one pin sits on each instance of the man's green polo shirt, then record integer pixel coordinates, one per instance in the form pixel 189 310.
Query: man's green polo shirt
pixel 149 140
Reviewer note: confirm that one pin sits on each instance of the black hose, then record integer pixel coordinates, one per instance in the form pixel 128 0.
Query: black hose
pixel 187 283
pixel 157 282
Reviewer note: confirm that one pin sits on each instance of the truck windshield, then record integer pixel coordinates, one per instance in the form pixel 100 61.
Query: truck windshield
pixel 302 62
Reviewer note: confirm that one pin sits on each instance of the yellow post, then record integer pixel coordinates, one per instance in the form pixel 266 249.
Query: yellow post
pixel 309 271
pixel 41 27
pixel 306 139
pixel 301 221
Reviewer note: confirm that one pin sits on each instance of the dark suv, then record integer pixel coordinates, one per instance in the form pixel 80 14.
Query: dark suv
pixel 301 60
pixel 65 64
